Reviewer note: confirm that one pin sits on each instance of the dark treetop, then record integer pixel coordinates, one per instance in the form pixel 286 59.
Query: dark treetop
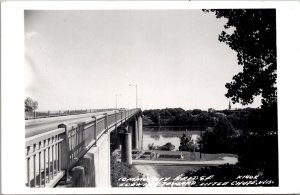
pixel 254 40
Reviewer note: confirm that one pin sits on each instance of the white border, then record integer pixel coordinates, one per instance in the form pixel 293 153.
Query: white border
pixel 12 97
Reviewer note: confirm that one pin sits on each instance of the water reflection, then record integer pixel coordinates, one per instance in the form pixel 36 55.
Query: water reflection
pixel 161 136
pixel 155 137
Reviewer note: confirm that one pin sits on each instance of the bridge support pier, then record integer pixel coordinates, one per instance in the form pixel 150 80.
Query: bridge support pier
pixel 119 141
pixel 140 131
pixel 133 129
pixel 136 132
pixel 126 151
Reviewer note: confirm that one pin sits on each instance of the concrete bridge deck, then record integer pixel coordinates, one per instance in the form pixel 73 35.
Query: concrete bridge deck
pixel 41 125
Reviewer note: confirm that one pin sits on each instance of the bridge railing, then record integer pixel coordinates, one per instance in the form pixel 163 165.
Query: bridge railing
pixel 43 157
pixel 52 154
pixel 48 114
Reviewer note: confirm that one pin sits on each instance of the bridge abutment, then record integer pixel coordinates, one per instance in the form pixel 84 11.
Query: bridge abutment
pixel 93 170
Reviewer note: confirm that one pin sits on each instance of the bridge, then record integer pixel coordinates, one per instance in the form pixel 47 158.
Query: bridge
pixel 74 150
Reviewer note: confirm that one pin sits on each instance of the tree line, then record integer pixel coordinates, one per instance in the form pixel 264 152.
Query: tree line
pixel 252 119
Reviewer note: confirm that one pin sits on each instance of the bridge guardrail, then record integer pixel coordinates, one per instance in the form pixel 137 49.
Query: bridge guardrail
pixel 52 154
pixel 43 156
pixel 48 114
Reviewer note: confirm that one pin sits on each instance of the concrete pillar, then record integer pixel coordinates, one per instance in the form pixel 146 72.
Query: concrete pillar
pixel 136 133
pixel 119 141
pixel 126 152
pixel 140 129
pixel 78 174
pixel 132 131
pixel 88 162
pixel 124 129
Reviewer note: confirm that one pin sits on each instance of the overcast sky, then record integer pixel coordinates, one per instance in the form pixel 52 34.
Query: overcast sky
pixel 82 59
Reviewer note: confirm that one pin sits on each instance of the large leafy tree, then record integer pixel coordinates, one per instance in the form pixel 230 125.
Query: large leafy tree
pixel 186 143
pixel 30 105
pixel 219 138
pixel 252 34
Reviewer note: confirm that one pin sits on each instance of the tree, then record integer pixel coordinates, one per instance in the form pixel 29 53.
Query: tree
pixel 168 147
pixel 30 105
pixel 151 146
pixel 254 40
pixel 186 143
pixel 219 138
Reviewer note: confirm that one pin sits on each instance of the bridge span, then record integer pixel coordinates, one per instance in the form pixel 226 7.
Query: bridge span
pixel 75 150
pixel 41 125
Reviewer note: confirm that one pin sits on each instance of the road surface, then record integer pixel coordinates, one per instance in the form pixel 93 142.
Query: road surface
pixel 38 126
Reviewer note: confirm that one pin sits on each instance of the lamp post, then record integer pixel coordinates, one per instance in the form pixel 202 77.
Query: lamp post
pixel 117 100
pixel 136 99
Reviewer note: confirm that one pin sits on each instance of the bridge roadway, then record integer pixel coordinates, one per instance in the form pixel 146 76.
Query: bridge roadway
pixel 38 126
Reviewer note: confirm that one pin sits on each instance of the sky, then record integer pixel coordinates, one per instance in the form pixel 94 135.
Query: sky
pixel 83 59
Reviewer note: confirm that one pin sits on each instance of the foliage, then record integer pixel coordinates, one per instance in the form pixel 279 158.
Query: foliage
pixel 252 119
pixel 254 40
pixel 30 105
pixel 257 150
pixel 186 143
pixel 168 147
pixel 120 170
pixel 218 139
pixel 258 155
pixel 180 117
pixel 257 120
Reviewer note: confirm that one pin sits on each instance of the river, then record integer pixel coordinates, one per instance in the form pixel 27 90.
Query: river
pixel 162 135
